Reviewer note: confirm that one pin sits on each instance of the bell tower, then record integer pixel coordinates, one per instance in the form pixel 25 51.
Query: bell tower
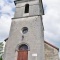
pixel 26 38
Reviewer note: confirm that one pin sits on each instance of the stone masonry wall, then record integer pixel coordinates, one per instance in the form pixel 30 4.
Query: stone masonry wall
pixel 51 53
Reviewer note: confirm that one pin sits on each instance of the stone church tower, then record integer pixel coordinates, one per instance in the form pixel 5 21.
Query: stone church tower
pixel 26 39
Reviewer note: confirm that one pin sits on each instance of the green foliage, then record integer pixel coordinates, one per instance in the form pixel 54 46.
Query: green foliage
pixel 1 49
pixel 1 58
pixel 1 46
pixel 1 43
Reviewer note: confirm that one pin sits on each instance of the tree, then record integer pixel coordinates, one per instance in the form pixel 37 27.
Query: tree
pixel 1 48
pixel 1 58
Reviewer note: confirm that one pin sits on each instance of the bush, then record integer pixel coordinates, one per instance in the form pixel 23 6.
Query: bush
pixel 1 58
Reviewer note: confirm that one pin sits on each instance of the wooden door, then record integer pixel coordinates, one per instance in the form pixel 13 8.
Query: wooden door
pixel 23 52
pixel 22 55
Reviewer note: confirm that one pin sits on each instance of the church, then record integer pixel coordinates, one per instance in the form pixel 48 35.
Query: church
pixel 26 38
pixel 51 52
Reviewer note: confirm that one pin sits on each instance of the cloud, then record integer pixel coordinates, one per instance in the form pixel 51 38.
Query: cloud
pixel 51 19
pixel 1 3
pixel 7 9
pixel 5 22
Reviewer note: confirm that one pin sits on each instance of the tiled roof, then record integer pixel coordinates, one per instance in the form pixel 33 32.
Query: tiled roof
pixel 51 45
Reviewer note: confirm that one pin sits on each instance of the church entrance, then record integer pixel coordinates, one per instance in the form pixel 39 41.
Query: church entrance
pixel 23 52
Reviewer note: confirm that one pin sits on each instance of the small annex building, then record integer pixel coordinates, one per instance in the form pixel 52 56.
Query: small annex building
pixel 51 51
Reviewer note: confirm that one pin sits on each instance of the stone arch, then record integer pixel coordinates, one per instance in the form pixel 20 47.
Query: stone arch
pixel 17 47
pixel 23 47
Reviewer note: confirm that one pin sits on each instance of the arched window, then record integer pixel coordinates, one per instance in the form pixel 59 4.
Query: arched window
pixel 27 8
pixel 23 47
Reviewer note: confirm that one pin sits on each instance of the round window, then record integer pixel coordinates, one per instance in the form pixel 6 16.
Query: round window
pixel 24 30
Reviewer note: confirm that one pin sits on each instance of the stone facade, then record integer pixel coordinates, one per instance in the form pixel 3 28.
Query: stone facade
pixel 34 40
pixel 51 52
pixel 26 28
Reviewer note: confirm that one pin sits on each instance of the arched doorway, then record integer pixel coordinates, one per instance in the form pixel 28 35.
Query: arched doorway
pixel 23 52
